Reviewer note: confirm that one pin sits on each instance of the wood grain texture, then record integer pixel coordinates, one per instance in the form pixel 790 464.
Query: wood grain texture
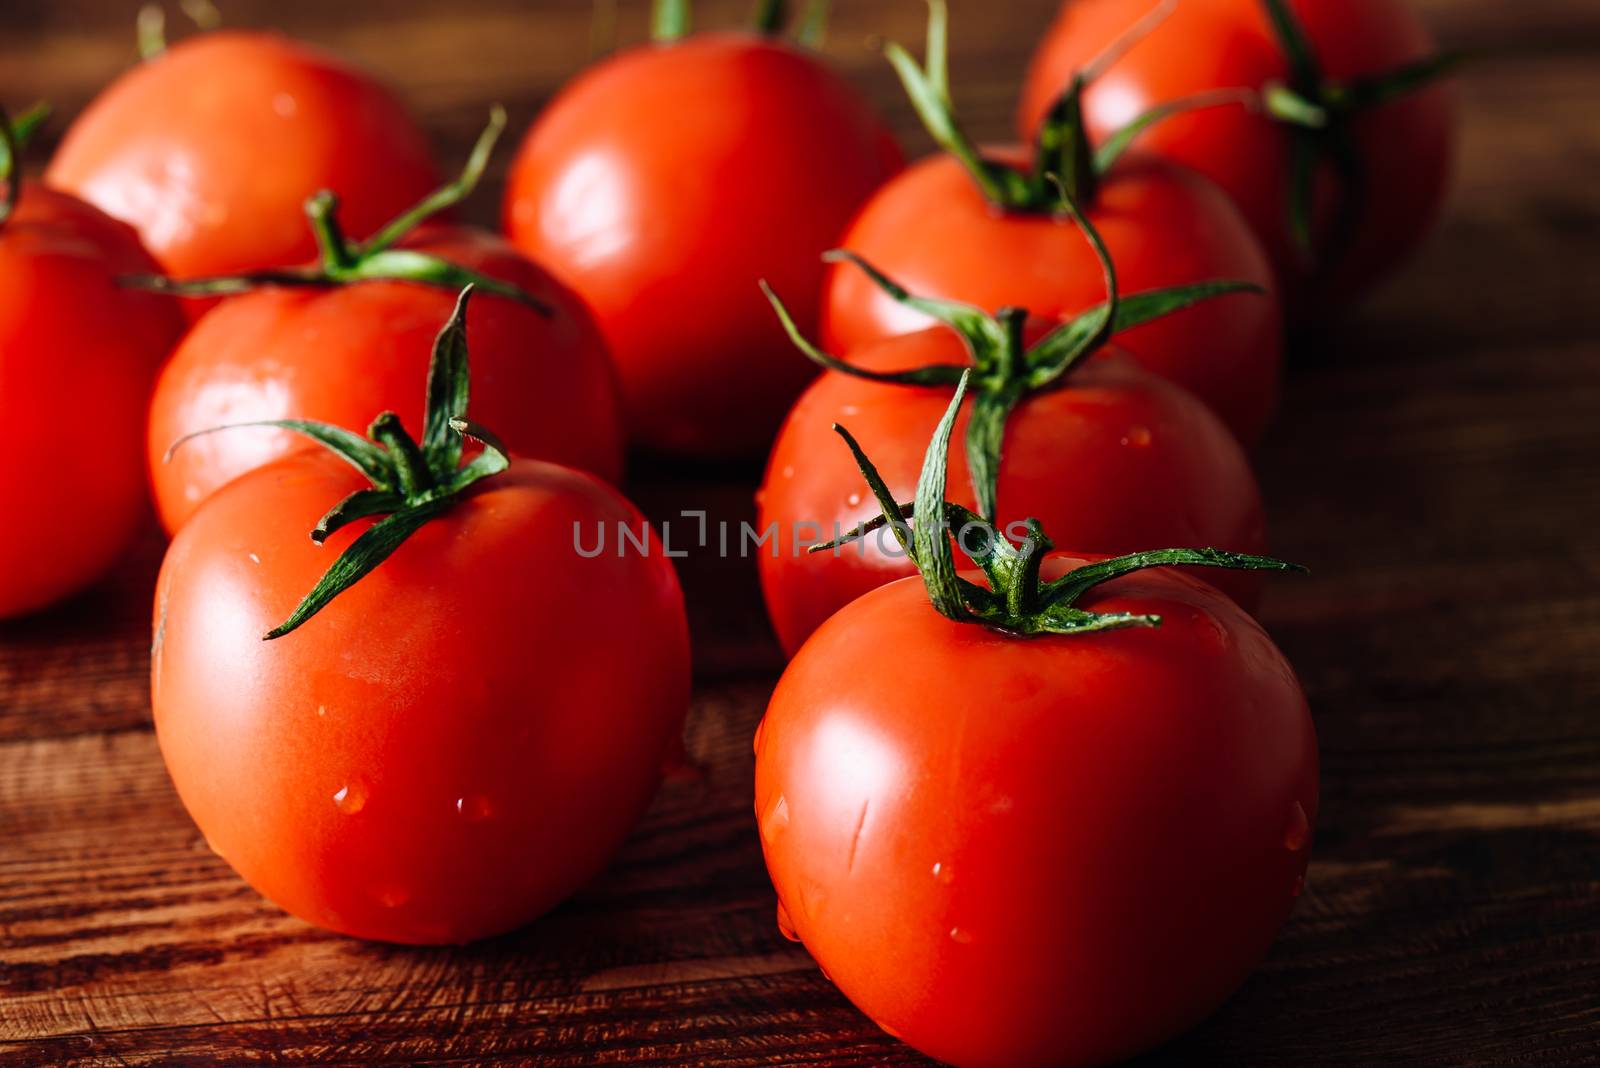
pixel 1439 466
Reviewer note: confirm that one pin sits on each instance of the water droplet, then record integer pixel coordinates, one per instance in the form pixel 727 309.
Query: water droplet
pixel 761 497
pixel 760 730
pixel 474 808
pixel 322 710
pixel 392 896
pixel 254 559
pixel 1298 830
pixel 351 798
pixel 788 471
pixel 944 873
pixel 1299 886
pixel 786 925
pixel 1138 436
pixel 853 500
pixel 285 105
pixel 960 936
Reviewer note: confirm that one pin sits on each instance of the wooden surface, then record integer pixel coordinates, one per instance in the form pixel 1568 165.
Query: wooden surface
pixel 1438 466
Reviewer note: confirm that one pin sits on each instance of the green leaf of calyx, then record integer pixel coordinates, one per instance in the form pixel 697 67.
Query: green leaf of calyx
pixel 449 389
pixel 344 262
pixel 928 88
pixel 930 538
pixel 1305 72
pixel 361 453
pixel 1070 587
pixel 14 138
pixel 375 545
pixel 412 483
pixel 1017 601
pixel 933 375
pixel 1112 148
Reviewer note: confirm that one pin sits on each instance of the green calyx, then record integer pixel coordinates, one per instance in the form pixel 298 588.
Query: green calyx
pixel 672 20
pixel 1063 154
pixel 1004 369
pixel 1319 113
pixel 344 262
pixel 411 482
pixel 14 138
pixel 1017 600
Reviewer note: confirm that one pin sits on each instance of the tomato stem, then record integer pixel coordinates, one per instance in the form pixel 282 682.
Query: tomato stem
pixel 345 262
pixel 14 138
pixel 1320 114
pixel 1005 369
pixel 670 20
pixel 1016 600
pixel 410 483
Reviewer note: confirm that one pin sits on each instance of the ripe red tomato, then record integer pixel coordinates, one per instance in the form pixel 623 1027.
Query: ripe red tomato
pixel 78 354
pixel 1115 461
pixel 453 745
pixel 457 717
pixel 665 222
pixel 1051 851
pixel 1404 146
pixel 933 231
pixel 339 355
pixel 211 148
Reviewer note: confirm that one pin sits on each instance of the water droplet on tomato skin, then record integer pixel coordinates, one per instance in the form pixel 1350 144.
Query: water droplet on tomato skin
pixel 960 936
pixel 350 798
pixel 1297 832
pixel 853 500
pixel 474 808
pixel 943 873
pixel 786 925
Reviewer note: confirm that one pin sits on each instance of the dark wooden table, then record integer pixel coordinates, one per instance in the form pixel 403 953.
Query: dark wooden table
pixel 1438 465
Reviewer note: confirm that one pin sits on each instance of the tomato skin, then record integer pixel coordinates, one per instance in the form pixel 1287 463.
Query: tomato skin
pixel 78 353
pixel 1407 146
pixel 932 231
pixel 665 224
pixel 185 167
pixel 1056 851
pixel 342 355
pixel 1116 462
pixel 495 707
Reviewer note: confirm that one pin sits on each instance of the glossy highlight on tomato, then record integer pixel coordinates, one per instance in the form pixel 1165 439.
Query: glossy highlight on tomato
pixel 1052 851
pixel 342 354
pixel 1405 146
pixel 662 184
pixel 215 180
pixel 78 356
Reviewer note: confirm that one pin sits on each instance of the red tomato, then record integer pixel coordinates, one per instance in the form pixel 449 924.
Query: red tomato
pixel 1116 461
pixel 78 354
pixel 1050 851
pixel 662 184
pixel 342 354
pixel 933 232
pixel 1405 146
pixel 211 149
pixel 456 742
